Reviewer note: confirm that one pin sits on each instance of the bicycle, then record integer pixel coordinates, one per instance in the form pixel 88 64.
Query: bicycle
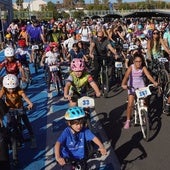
pixel 15 131
pixel 80 164
pixel 37 55
pixel 159 72
pixel 165 95
pixel 24 84
pixel 140 112
pixel 104 77
pixel 119 70
pixel 56 80
pixel 88 104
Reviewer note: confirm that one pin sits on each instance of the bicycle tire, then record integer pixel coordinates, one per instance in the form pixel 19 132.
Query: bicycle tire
pixel 165 95
pixel 106 83
pixel 145 128
pixel 56 81
pixel 163 78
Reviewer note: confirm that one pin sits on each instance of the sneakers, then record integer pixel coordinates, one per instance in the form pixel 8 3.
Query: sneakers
pixel 127 124
pixel 33 143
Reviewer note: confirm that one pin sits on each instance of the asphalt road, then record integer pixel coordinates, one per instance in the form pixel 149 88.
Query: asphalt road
pixel 132 151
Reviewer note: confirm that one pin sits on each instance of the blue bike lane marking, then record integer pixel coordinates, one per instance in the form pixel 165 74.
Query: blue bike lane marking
pixel 47 119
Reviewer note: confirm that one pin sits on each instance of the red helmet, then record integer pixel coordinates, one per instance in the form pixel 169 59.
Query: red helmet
pixel 21 43
pixel 53 44
pixel 77 64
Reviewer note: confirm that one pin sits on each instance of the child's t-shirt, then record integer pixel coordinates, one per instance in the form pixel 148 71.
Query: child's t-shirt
pixel 13 100
pixel 73 145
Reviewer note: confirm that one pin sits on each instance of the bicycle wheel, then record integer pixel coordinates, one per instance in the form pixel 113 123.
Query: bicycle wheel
pixel 165 95
pixel 105 83
pixel 163 78
pixel 56 81
pixel 36 62
pixel 144 123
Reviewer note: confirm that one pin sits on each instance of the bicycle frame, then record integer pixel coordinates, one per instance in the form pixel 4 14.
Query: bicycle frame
pixel 104 77
pixel 141 110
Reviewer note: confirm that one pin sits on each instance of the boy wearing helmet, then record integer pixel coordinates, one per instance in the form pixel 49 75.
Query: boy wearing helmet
pixel 77 81
pixel 11 65
pixel 13 99
pixel 72 141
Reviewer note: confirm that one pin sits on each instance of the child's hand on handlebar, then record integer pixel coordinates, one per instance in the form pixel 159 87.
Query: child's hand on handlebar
pixel 30 106
pixel 61 161
pixel 103 151
pixel 124 87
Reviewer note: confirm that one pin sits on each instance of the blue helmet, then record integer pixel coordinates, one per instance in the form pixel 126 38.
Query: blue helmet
pixel 74 113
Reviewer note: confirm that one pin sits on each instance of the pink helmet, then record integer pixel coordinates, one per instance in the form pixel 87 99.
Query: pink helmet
pixel 77 64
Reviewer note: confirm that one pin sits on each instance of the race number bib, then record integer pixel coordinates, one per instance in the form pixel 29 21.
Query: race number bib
pixel 118 64
pixel 86 102
pixel 143 92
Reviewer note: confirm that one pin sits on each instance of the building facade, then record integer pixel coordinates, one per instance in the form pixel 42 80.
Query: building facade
pixel 6 10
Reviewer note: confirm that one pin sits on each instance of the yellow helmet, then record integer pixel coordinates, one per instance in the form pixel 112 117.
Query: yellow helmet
pixel 8 36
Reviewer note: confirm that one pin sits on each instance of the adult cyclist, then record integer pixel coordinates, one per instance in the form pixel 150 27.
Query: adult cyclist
pixel 35 35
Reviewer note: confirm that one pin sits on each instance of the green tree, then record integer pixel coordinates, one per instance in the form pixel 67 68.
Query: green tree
pixel 79 14
pixel 96 2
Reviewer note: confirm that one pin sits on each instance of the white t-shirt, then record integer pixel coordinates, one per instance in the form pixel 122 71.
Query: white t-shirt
pixel 51 58
pixel 85 34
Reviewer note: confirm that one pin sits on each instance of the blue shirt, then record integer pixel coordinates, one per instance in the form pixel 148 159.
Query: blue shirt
pixel 34 33
pixel 73 145
pixel 74 55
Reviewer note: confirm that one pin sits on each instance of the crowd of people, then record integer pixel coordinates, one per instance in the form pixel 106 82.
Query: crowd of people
pixel 136 41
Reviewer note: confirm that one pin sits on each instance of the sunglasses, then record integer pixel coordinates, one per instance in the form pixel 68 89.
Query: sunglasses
pixel 156 33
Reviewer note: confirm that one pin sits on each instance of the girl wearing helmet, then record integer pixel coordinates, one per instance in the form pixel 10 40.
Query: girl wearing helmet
pixel 14 97
pixel 72 141
pixel 77 82
pixel 50 58
pixel 11 64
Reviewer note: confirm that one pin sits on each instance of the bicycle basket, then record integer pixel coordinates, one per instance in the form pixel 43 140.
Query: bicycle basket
pixel 143 92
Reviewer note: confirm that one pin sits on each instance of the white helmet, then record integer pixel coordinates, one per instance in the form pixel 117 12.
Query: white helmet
pixel 10 81
pixel 9 52
pixel 133 47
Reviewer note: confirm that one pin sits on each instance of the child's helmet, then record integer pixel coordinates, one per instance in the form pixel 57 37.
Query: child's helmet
pixel 53 45
pixel 22 43
pixel 74 113
pixel 9 52
pixel 77 64
pixel 8 36
pixel 10 81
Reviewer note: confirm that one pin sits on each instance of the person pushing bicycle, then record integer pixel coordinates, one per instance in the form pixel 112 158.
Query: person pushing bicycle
pixel 72 142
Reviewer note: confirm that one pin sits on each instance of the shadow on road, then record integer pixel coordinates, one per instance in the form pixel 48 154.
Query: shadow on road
pixel 155 112
pixel 123 151
pixel 113 124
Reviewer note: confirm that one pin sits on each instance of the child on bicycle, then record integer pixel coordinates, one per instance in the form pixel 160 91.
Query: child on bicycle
pixel 14 100
pixel 77 81
pixel 72 142
pixel 11 64
pixel 134 77
pixel 50 58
